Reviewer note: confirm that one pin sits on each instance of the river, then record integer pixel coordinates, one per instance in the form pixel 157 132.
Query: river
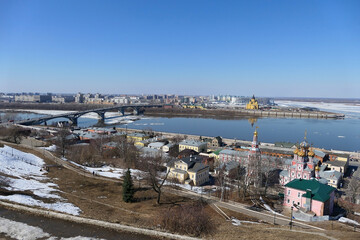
pixel 338 134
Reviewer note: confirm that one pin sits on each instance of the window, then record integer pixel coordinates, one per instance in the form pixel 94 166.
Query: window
pixel 298 203
pixel 298 194
pixel 288 201
pixel 289 192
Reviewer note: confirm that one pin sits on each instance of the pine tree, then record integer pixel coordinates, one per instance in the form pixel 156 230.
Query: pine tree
pixel 128 187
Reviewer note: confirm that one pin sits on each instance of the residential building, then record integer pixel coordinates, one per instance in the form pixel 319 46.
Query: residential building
pixel 228 155
pixel 340 166
pixel 79 98
pixel 189 170
pixel 309 196
pixel 332 177
pixel 167 147
pixel 193 145
pixel 156 145
pixel 33 98
pixel 137 137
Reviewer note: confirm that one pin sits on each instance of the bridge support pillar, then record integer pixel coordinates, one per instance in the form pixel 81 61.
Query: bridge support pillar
pixel 122 111
pixel 136 111
pixel 74 121
pixel 102 116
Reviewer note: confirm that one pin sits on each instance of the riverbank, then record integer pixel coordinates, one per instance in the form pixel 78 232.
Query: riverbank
pixel 239 113
pixel 181 112
pixel 228 141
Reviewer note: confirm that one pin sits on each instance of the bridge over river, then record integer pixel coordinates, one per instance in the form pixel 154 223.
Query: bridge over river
pixel 73 116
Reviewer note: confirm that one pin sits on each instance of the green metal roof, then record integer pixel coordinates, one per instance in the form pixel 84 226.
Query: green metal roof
pixel 319 191
pixel 217 151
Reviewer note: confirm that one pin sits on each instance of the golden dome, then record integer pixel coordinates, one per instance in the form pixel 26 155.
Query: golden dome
pixel 301 153
pixel 317 168
pixel 311 154
pixel 296 151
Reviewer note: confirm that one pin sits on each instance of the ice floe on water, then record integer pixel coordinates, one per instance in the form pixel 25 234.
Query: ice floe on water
pixel 350 110
pixel 25 172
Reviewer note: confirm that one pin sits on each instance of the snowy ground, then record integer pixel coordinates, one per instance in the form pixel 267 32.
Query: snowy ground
pixel 350 110
pixel 22 231
pixel 111 172
pixel 25 173
pixel 349 221
pixel 237 222
pixel 117 173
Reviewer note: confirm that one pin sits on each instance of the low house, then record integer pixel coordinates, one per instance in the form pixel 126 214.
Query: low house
pixel 310 196
pixel 137 137
pixel 319 155
pixel 340 166
pixel 217 142
pixel 189 170
pixel 156 145
pixel 214 155
pixel 332 177
pixel 193 145
pixel 167 147
pixel 229 168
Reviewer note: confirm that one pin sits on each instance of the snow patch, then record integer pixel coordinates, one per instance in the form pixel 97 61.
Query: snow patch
pixel 21 231
pixel 51 148
pixel 25 173
pixel 347 220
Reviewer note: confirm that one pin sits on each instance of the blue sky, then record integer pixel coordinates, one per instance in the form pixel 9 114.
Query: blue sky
pixel 267 48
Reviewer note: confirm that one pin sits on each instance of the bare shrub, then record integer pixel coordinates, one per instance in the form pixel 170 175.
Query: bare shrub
pixel 190 219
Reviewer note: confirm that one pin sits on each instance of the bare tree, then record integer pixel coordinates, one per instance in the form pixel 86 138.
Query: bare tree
pixel 155 176
pixel 62 141
pixel 221 182
pixel 354 189
pixel 128 152
pixel 269 172
pixel 15 134
pixel 244 181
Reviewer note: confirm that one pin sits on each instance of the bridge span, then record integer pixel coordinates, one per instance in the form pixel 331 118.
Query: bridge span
pixel 73 117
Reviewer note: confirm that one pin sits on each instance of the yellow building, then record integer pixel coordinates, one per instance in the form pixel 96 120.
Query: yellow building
pixel 340 166
pixel 137 137
pixel 253 104
pixel 193 145
pixel 189 170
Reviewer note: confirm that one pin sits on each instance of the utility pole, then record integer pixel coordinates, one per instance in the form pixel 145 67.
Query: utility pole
pixel 274 218
pixel 291 217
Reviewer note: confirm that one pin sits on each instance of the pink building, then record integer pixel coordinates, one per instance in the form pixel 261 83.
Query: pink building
pixel 310 195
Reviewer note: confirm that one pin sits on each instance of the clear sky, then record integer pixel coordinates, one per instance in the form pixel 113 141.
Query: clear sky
pixel 267 48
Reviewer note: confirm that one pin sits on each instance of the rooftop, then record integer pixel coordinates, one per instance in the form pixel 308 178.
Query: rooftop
pixel 319 191
pixel 193 143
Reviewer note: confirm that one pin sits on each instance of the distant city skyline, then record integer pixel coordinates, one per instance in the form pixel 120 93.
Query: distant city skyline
pixel 266 48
